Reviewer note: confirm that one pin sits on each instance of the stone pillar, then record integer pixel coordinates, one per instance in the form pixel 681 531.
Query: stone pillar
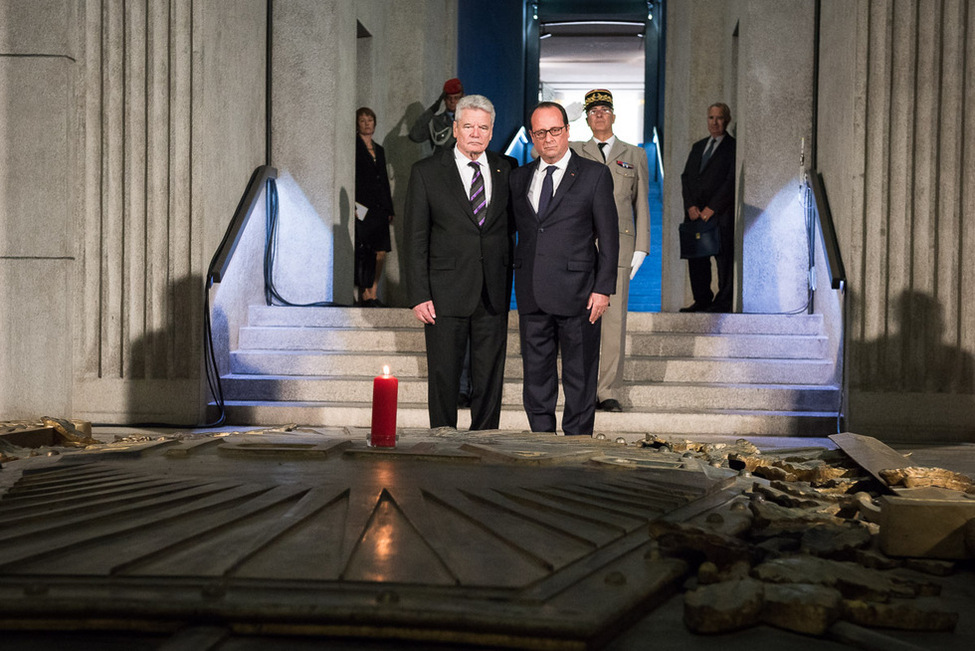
pixel 38 211
pixel 774 104
pixel 696 77
pixel 312 130
pixel 318 83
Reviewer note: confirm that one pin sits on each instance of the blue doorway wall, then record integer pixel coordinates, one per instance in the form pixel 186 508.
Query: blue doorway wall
pixel 498 57
pixel 491 56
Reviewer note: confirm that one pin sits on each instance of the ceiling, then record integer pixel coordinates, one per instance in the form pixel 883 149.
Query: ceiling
pixel 570 10
pixel 584 40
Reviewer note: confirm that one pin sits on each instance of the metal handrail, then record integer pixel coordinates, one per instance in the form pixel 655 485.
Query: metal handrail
pixel 834 259
pixel 248 201
pixel 837 273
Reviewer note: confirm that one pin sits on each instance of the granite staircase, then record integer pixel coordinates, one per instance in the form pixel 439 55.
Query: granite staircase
pixel 685 373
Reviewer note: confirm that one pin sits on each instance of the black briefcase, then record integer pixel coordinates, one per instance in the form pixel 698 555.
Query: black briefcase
pixel 699 238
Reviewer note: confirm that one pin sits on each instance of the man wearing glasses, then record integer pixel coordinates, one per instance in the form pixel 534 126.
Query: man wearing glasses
pixel 631 179
pixel 563 204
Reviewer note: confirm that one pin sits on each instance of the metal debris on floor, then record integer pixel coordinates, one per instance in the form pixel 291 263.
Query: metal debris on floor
pixel 820 544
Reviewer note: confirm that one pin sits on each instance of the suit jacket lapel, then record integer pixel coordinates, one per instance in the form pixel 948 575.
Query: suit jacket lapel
pixel 455 184
pixel 493 168
pixel 526 195
pixel 591 147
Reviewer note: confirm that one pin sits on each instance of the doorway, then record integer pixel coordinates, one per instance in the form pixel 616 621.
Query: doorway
pixel 576 56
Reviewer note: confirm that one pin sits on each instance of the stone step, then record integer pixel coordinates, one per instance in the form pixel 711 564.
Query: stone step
pixel 740 324
pixel 411 340
pixel 338 364
pixel 727 371
pixel 727 345
pixel 374 318
pixel 635 368
pixel 636 397
pixel 300 338
pixel 631 425
pixel 741 374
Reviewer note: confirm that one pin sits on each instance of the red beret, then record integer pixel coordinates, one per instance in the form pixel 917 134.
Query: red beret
pixel 452 86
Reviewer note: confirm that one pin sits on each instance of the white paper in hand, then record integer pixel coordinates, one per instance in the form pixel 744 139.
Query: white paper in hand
pixel 360 211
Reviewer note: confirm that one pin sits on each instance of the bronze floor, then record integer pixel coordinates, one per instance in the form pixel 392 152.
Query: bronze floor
pixel 233 540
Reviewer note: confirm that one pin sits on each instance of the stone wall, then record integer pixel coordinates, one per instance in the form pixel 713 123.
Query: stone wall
pixel 896 80
pixel 129 131
pixel 39 130
pixel 120 174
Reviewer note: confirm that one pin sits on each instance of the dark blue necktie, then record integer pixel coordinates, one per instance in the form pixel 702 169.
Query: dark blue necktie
pixel 707 153
pixel 547 190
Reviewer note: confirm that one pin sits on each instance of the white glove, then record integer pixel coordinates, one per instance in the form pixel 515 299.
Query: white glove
pixel 574 111
pixel 638 257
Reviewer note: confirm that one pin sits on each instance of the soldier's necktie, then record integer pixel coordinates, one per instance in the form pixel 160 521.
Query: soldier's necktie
pixel 602 150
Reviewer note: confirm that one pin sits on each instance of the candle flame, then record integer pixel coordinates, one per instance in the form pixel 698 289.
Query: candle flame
pixel 385 371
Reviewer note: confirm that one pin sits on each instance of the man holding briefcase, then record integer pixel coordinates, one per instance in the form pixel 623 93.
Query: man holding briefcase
pixel 708 186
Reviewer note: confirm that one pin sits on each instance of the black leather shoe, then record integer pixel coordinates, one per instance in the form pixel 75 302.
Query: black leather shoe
pixel 609 404
pixel 720 309
pixel 695 307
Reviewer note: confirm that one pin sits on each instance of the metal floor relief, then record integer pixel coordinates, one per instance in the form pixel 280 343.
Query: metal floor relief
pixel 490 539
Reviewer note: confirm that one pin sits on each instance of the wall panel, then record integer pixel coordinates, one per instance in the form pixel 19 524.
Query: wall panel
pixel 909 249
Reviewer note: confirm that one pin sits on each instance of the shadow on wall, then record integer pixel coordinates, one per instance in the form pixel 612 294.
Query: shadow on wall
pixel 344 260
pixel 914 358
pixel 164 366
pixel 401 153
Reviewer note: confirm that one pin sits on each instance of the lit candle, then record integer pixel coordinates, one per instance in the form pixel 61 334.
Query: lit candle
pixel 384 390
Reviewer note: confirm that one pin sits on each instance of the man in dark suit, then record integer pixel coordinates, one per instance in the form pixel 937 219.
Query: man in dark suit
pixel 563 205
pixel 708 185
pixel 459 238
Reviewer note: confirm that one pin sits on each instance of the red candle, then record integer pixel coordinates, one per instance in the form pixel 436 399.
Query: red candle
pixel 384 390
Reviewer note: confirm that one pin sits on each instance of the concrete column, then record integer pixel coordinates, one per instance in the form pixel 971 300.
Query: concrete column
pixel 412 50
pixel 39 128
pixel 698 67
pixel 313 118
pixel 775 92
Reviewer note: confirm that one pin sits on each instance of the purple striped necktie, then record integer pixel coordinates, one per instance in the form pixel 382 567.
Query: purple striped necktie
pixel 478 199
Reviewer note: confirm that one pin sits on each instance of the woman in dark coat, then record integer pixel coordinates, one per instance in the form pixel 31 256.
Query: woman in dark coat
pixel 372 197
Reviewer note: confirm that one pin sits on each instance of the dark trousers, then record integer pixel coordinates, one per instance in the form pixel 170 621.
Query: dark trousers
pixel 699 269
pixel 447 345
pixel 543 337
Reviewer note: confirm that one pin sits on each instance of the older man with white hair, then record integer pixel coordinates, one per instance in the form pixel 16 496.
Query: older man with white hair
pixel 459 238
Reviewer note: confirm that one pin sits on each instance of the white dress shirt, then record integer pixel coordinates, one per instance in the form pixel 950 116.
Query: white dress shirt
pixel 467 173
pixel 536 185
